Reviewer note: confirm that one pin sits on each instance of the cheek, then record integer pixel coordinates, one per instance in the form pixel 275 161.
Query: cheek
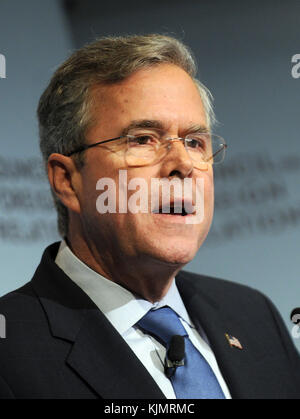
pixel 208 199
pixel 209 184
pixel 210 194
pixel 89 194
pixel 98 173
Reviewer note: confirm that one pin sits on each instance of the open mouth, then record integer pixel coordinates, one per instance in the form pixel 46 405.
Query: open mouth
pixel 175 209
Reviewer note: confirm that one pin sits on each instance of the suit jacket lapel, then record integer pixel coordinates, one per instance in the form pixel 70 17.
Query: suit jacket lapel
pixel 235 364
pixel 108 364
pixel 99 354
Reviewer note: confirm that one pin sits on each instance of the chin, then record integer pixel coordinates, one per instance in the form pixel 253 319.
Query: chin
pixel 178 260
pixel 178 249
pixel 177 255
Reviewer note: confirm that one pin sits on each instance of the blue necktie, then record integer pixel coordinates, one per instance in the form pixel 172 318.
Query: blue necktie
pixel 195 379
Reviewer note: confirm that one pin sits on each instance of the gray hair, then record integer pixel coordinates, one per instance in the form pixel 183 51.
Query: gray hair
pixel 64 110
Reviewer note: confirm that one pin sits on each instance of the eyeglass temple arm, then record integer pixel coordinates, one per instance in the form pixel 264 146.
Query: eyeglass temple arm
pixel 219 151
pixel 86 147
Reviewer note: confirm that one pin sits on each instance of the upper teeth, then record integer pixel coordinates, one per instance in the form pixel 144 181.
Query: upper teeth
pixel 174 209
pixel 177 209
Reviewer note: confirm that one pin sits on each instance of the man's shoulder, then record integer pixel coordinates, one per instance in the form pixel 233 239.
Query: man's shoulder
pixel 20 303
pixel 216 286
pixel 24 299
pixel 231 297
pixel 25 324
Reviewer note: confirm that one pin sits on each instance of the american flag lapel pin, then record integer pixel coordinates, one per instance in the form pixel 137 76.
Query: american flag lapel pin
pixel 233 342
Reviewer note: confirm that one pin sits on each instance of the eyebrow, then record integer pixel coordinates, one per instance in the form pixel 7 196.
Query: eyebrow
pixel 144 123
pixel 159 125
pixel 197 128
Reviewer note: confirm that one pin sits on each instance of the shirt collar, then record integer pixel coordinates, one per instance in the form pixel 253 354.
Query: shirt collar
pixel 121 307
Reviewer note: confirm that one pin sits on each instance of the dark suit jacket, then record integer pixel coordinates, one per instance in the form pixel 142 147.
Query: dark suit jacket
pixel 59 345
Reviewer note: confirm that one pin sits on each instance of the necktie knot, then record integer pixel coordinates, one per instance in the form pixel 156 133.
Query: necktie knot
pixel 162 323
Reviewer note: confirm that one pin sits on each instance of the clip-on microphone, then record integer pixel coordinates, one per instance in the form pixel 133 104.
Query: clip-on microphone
pixel 175 355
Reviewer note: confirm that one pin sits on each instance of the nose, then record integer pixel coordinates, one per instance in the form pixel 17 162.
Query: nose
pixel 177 161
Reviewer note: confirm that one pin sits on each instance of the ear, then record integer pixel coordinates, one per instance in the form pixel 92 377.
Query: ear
pixel 64 180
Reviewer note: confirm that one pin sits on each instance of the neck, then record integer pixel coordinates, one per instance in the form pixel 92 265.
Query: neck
pixel 143 275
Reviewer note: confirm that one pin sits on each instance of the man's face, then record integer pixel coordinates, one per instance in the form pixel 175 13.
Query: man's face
pixel 167 96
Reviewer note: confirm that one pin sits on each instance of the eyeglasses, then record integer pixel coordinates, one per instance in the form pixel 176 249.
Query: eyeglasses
pixel 146 148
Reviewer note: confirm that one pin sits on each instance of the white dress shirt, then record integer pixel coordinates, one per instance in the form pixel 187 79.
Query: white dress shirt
pixel 123 309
